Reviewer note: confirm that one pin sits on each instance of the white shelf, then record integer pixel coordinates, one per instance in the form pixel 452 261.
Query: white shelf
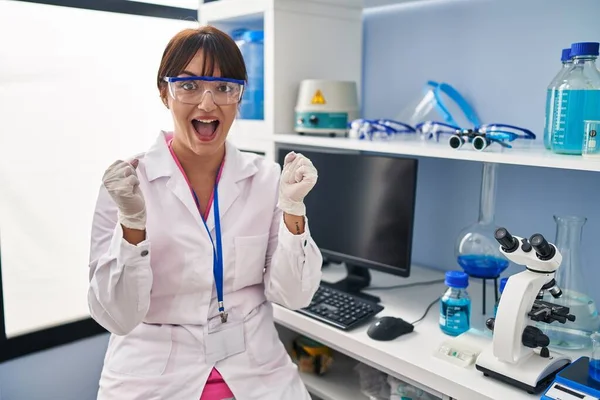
pixel 410 357
pixel 534 155
pixel 340 383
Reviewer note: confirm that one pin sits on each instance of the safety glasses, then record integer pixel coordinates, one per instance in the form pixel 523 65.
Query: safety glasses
pixel 480 137
pixel 378 129
pixel 191 89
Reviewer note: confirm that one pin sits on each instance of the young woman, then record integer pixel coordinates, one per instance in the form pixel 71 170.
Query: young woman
pixel 193 240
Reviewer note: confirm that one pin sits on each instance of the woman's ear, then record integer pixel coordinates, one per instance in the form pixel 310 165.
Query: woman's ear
pixel 163 97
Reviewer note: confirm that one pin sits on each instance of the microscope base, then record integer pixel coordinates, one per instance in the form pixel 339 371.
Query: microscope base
pixel 533 374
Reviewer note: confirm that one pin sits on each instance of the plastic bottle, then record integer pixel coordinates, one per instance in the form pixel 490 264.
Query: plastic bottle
pixel 551 95
pixel 455 304
pixel 252 47
pixel 500 290
pixel 577 99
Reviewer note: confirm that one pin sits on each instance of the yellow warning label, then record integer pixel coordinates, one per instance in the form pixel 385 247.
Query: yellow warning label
pixel 318 98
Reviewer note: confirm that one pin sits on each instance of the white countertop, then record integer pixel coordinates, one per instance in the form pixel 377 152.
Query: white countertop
pixel 409 357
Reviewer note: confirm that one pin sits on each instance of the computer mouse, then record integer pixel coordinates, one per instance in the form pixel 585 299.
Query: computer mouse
pixel 389 328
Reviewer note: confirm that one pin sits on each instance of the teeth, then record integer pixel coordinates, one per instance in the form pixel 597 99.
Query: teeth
pixel 206 121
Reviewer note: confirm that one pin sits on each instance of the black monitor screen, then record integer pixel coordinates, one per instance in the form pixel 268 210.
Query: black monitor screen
pixel 361 210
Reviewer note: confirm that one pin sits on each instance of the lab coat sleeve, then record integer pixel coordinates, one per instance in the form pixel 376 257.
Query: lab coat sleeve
pixel 119 273
pixel 293 268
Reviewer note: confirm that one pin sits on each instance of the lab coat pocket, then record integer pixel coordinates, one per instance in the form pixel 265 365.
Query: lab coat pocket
pixel 143 352
pixel 263 345
pixel 250 259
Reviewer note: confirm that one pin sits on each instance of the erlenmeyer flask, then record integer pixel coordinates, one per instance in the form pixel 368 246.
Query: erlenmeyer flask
pixel 569 277
pixel 476 249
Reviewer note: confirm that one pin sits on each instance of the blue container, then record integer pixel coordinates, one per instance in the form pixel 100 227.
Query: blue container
pixel 551 95
pixel 455 304
pixel 577 99
pixel 251 45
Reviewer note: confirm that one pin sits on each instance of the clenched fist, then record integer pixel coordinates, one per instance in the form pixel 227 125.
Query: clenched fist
pixel 123 185
pixel 298 177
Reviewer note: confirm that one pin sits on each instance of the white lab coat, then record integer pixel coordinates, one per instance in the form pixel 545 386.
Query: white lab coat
pixel 158 298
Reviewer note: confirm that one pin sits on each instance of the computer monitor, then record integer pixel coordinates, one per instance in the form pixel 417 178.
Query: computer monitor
pixel 361 211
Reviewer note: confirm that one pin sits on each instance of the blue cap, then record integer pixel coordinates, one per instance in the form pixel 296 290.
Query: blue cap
pixel 253 36
pixel 457 279
pixel 502 284
pixel 566 55
pixel 585 49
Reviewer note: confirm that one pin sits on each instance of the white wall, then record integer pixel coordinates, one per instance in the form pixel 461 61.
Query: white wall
pixel 77 91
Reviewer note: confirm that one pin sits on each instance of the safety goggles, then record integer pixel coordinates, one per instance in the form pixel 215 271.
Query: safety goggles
pixel 480 137
pixel 191 89
pixel 378 129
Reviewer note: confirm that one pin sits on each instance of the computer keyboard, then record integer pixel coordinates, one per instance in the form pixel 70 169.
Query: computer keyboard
pixel 340 309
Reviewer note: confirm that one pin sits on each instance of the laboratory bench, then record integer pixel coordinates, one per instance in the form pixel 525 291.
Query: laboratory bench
pixel 410 358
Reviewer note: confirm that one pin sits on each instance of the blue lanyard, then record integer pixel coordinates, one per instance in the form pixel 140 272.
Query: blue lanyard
pixel 218 251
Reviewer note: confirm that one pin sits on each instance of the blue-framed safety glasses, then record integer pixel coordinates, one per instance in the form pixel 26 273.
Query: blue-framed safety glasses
pixel 191 89
pixel 378 129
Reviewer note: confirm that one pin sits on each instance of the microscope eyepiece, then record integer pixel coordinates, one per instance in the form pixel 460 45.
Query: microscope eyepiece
pixel 543 249
pixel 506 240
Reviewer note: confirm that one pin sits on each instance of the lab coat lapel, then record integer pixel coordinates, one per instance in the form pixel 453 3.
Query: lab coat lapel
pixel 237 167
pixel 235 170
pixel 160 163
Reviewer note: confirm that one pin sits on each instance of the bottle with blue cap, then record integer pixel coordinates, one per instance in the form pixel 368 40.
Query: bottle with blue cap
pixel 551 95
pixel 455 304
pixel 500 290
pixel 577 99
pixel 251 44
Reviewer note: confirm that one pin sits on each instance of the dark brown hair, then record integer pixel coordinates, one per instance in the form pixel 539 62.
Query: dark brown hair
pixel 218 48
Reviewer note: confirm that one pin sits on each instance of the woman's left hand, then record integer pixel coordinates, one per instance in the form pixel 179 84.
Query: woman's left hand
pixel 298 177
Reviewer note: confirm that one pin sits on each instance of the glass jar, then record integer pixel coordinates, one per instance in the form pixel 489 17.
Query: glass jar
pixel 455 304
pixel 569 277
pixel 595 358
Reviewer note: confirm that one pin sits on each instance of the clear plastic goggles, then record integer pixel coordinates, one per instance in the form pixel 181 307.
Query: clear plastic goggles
pixel 191 89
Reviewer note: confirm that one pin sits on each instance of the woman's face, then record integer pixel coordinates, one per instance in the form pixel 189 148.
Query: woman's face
pixel 202 127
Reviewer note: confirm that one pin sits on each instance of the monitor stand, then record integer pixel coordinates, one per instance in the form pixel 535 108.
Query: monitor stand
pixel 358 278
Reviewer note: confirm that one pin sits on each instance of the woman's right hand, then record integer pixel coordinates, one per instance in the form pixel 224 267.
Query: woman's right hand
pixel 123 185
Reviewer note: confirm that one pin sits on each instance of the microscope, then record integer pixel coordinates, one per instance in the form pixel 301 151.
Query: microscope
pixel 519 353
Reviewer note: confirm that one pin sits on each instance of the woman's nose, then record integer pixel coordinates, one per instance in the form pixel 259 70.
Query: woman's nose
pixel 207 102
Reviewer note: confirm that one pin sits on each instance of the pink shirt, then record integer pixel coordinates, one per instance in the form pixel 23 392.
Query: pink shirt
pixel 216 388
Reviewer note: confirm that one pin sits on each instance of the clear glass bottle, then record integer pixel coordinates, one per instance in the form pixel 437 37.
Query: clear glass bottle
pixel 551 95
pixel 577 99
pixel 500 290
pixel 476 250
pixel 569 277
pixel 455 304
pixel 595 358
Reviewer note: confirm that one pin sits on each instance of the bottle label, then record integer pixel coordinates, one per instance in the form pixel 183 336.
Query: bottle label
pixel 571 109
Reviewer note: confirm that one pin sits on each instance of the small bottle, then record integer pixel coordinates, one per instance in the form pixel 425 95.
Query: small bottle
pixel 551 96
pixel 500 290
pixel 577 99
pixel 455 304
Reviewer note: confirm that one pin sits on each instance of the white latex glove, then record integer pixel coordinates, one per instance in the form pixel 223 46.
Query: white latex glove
pixel 298 177
pixel 123 185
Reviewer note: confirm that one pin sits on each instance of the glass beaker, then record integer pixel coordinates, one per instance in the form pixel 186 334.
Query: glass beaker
pixel 569 277
pixel 595 358
pixel 476 249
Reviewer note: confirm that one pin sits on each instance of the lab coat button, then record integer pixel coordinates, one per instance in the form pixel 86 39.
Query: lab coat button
pixel 144 253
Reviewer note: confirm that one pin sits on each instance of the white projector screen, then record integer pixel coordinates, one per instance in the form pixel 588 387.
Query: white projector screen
pixel 77 91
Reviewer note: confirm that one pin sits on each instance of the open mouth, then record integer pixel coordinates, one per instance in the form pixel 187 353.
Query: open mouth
pixel 206 129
